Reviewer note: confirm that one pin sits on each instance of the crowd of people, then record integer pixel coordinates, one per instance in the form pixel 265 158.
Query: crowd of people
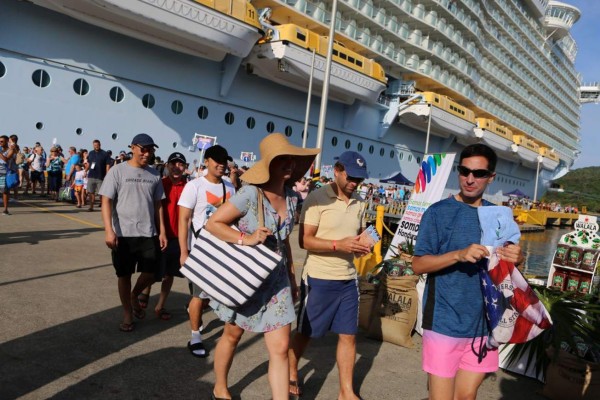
pixel 527 204
pixel 153 213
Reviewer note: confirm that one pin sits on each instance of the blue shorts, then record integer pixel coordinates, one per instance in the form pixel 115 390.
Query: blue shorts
pixel 328 305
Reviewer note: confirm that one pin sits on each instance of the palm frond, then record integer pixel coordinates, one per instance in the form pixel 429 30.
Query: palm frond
pixel 572 316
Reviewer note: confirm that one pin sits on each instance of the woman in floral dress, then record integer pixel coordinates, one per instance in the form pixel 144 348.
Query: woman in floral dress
pixel 271 309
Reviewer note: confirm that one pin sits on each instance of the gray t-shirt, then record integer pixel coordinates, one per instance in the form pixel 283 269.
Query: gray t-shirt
pixel 134 192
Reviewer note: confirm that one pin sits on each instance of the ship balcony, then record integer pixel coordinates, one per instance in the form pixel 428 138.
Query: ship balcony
pixel 538 7
pixel 560 17
pixel 589 93
pixel 526 49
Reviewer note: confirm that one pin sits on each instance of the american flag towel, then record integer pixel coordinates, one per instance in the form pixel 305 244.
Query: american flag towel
pixel 513 310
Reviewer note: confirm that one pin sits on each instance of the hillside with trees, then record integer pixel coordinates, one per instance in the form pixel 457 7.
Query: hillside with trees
pixel 581 188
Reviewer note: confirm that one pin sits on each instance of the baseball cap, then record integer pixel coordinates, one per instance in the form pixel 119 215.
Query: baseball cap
pixel 354 164
pixel 122 153
pixel 218 153
pixel 143 139
pixel 176 157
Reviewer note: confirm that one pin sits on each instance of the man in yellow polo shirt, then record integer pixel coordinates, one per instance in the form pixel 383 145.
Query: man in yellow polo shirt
pixel 331 220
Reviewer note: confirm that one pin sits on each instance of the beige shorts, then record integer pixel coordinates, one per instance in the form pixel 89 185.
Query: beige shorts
pixel 93 185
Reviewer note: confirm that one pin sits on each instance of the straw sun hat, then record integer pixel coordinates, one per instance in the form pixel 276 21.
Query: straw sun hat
pixel 276 144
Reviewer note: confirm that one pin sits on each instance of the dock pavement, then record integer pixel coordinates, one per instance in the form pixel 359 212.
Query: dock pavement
pixel 60 313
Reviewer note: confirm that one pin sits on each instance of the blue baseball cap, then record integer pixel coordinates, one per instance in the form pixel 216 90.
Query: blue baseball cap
pixel 143 139
pixel 354 164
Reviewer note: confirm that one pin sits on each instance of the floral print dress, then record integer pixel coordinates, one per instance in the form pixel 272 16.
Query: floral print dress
pixel 272 306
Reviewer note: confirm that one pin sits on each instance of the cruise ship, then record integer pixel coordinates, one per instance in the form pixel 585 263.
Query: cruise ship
pixel 405 74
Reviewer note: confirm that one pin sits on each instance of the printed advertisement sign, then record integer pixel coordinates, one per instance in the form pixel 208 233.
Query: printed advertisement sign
pixel 203 142
pixel 429 187
pixel 247 156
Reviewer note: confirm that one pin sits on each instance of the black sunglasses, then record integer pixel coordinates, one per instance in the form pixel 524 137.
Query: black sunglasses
pixel 477 173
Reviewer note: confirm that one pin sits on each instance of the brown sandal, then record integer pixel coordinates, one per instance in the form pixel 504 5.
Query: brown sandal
pixel 124 327
pixel 295 387
pixel 163 314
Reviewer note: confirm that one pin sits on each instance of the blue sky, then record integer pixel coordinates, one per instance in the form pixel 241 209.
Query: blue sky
pixel 586 32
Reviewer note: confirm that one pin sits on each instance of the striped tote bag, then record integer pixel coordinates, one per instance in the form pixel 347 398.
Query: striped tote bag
pixel 228 272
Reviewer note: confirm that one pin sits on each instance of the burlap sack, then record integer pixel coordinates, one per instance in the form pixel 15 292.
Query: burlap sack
pixel 395 311
pixel 572 378
pixel 368 295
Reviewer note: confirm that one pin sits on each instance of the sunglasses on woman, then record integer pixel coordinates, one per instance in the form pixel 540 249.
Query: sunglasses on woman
pixel 477 173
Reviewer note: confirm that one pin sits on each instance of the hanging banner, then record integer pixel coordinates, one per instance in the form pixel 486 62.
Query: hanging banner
pixel 429 187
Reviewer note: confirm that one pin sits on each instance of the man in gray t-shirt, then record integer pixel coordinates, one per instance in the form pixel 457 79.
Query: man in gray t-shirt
pixel 133 224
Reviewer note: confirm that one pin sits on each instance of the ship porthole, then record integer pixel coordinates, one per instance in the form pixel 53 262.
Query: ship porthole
pixel 177 107
pixel 116 94
pixel 359 147
pixel 229 118
pixel 40 78
pixel 148 101
pixel 347 144
pixel 250 123
pixel 288 131
pixel 418 160
pixel 174 144
pixel 39 126
pixel 270 127
pixel 381 152
pixel 401 156
pixel 81 87
pixel 202 112
pixel 409 157
pixel 2 70
pixel 114 136
pixel 78 131
pixel 391 153
pixel 334 141
pixel 371 149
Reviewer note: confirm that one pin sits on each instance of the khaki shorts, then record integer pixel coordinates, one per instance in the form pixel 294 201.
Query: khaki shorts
pixel 93 185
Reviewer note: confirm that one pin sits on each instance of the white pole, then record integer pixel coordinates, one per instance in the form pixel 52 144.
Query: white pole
pixel 325 93
pixel 308 97
pixel 537 174
pixel 428 129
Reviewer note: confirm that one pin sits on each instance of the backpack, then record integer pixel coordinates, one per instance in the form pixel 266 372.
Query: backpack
pixel 20 158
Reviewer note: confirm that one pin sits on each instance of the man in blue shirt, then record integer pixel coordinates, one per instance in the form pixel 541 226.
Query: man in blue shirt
pixel 99 162
pixel 73 160
pixel 448 249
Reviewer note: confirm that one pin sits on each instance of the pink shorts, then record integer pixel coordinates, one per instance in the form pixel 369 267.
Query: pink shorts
pixel 444 355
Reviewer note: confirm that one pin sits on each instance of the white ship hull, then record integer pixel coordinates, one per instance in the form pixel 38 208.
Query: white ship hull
pixel 179 25
pixel 528 157
pixel 549 164
pixel 443 123
pixel 505 148
pixel 187 99
pixel 290 65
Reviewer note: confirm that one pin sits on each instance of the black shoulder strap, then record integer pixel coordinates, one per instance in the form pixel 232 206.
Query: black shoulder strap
pixel 197 232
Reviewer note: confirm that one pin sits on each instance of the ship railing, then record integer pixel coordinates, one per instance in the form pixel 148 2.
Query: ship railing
pixel 384 100
pixel 393 209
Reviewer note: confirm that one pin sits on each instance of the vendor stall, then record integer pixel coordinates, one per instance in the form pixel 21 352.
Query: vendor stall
pixel 574 267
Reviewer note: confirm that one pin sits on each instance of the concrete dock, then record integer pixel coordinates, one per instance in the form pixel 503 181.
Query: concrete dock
pixel 60 339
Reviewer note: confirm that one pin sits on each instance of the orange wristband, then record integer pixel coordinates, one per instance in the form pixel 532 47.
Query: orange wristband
pixel 334 243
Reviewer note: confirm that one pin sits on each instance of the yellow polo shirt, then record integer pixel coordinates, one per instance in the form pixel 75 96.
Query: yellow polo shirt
pixel 335 220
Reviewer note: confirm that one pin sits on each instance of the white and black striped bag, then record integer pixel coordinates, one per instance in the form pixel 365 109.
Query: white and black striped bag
pixel 227 272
